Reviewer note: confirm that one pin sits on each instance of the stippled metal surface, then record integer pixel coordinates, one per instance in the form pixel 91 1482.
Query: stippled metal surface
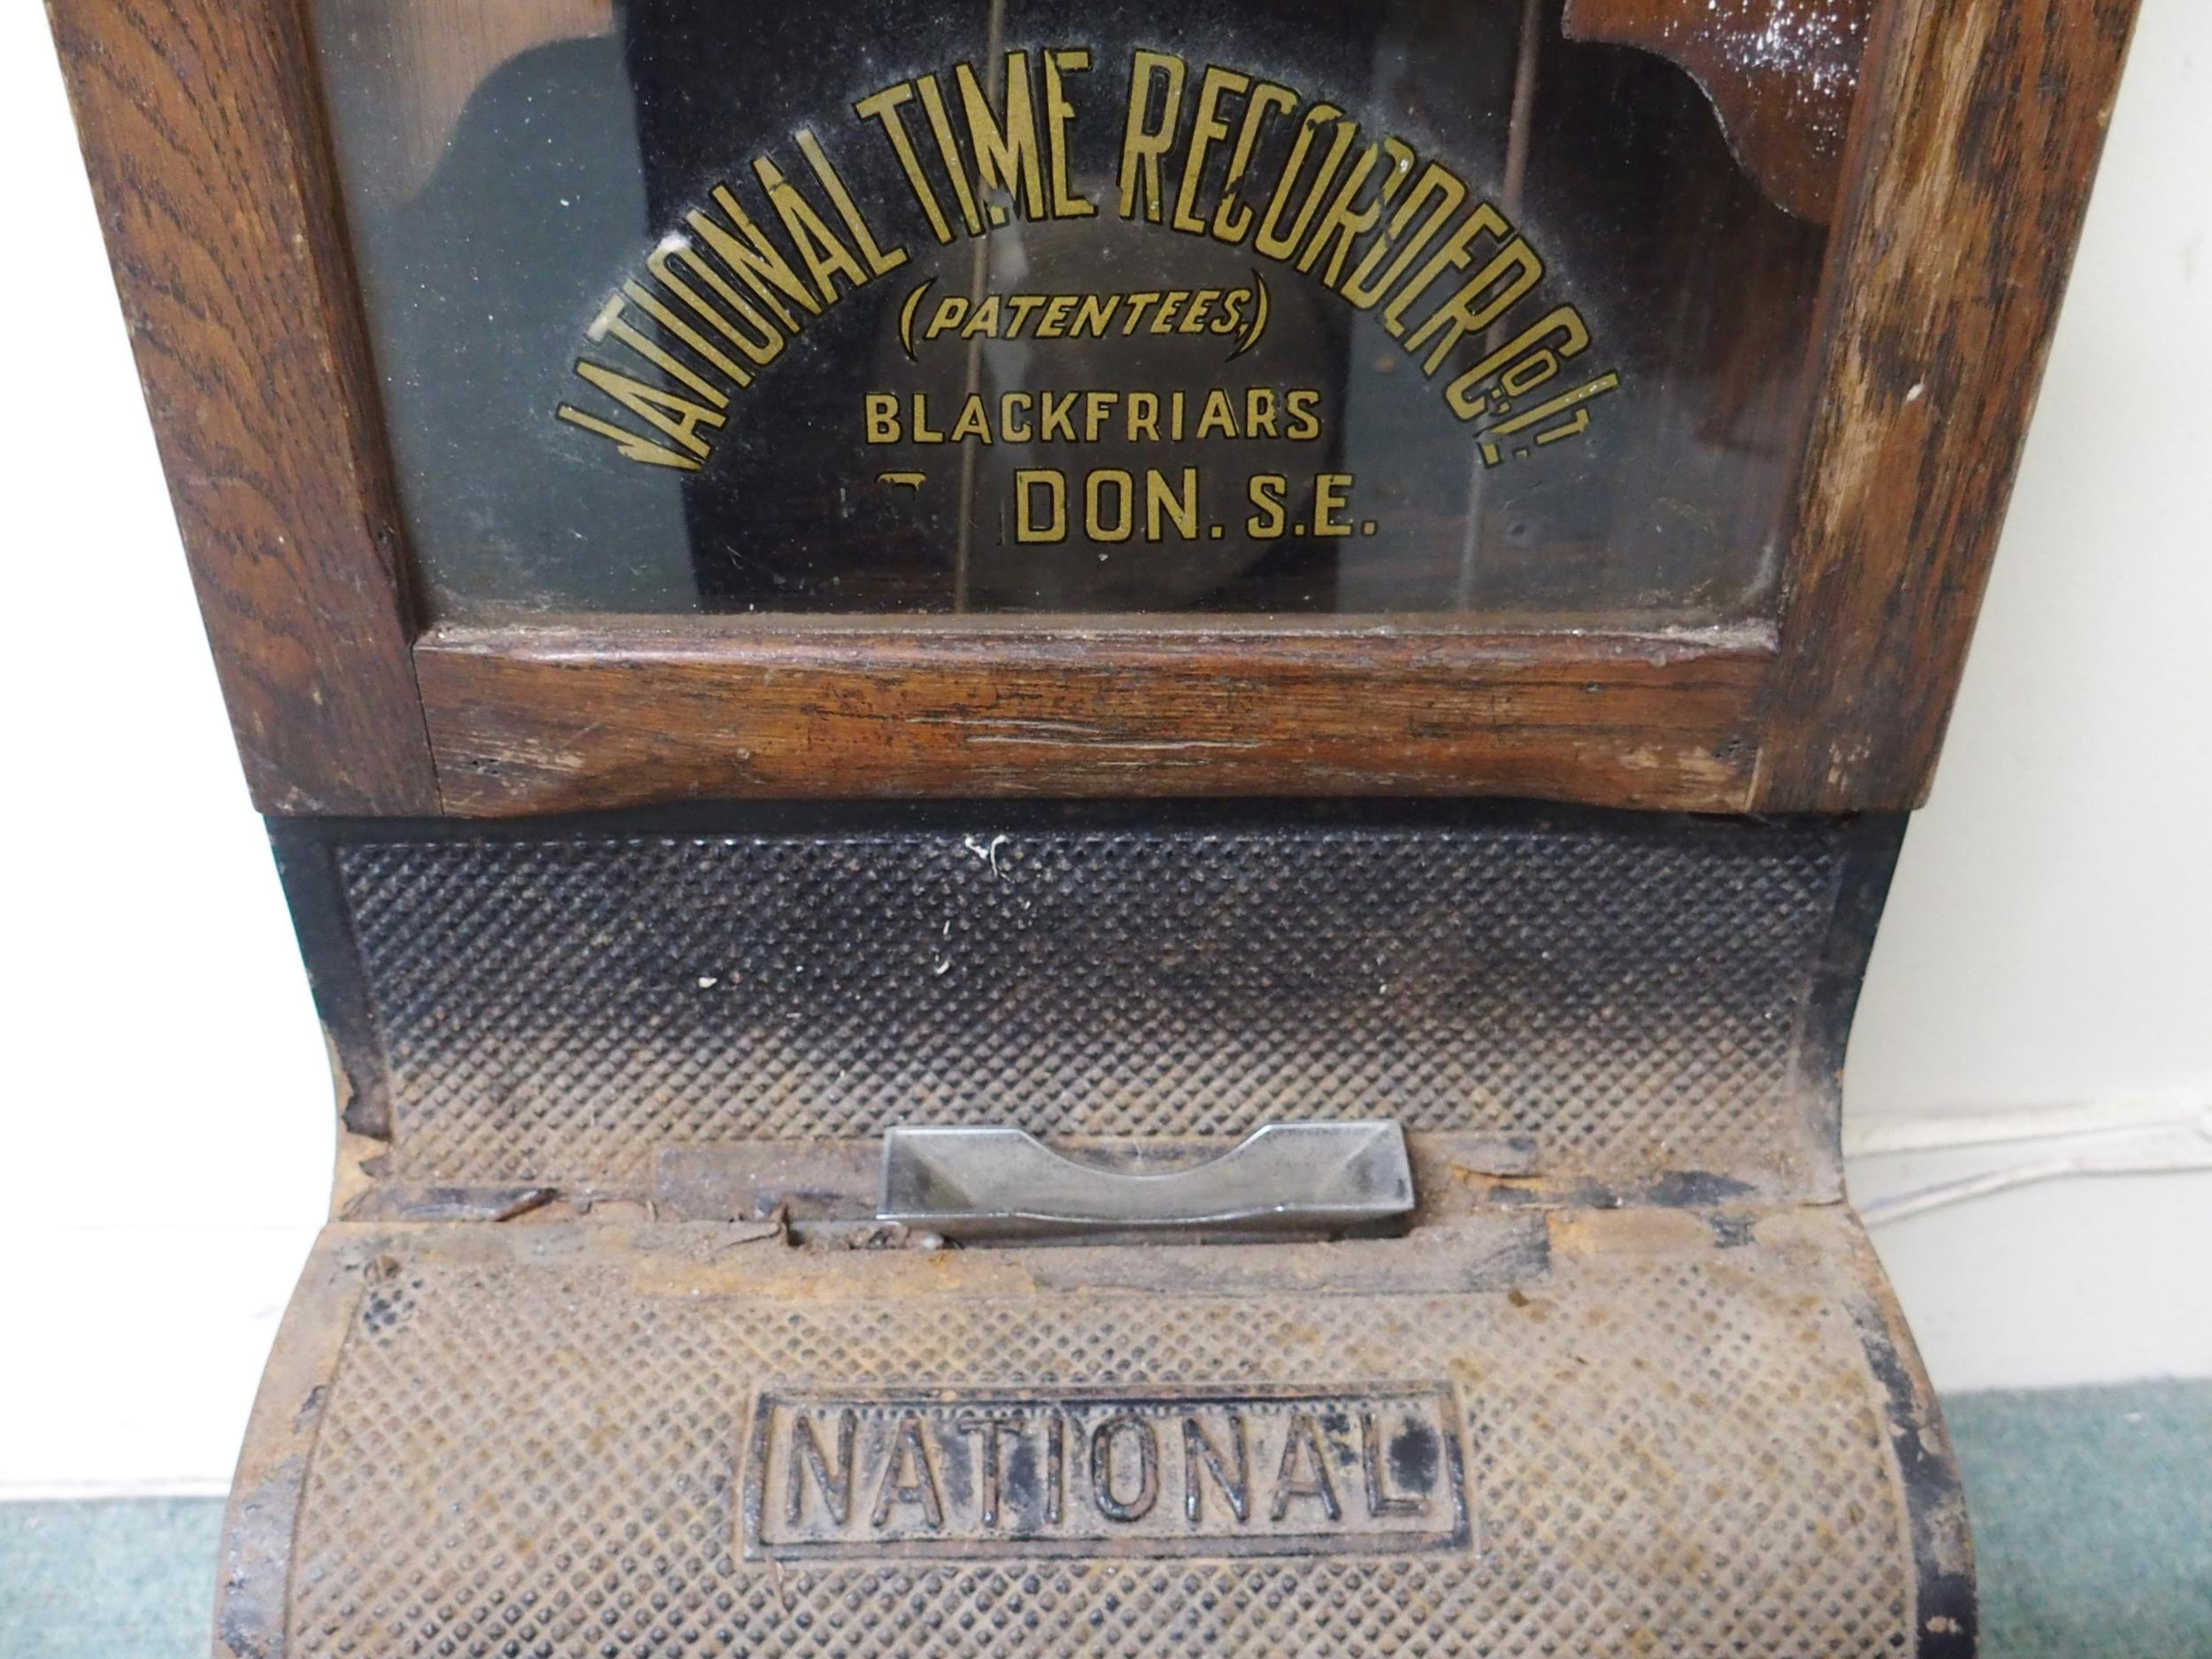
pixel 1626 1000
pixel 1620 1391
pixel 541 1441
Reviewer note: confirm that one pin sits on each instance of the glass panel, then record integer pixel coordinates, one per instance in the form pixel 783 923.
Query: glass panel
pixel 1302 306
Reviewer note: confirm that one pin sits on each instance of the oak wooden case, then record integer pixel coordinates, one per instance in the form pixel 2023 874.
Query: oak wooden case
pixel 1962 139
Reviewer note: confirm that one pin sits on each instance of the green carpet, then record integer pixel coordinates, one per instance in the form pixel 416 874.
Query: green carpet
pixel 119 1579
pixel 2093 1517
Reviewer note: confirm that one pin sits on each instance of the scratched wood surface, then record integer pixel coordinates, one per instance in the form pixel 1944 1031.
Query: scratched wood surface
pixel 204 144
pixel 1983 137
pixel 547 719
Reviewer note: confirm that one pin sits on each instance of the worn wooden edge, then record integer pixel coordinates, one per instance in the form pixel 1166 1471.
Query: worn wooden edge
pixel 206 147
pixel 1979 130
pixel 565 717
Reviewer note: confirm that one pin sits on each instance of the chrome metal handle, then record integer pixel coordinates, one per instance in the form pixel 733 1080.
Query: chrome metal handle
pixel 997 1182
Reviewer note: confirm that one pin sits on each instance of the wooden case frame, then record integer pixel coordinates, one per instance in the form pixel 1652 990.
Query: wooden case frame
pixel 1971 145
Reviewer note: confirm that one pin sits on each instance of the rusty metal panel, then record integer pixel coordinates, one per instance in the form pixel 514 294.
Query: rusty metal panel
pixel 1635 1434
pixel 617 1351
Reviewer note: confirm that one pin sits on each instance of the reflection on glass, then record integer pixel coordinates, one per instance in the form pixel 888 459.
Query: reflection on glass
pixel 1388 307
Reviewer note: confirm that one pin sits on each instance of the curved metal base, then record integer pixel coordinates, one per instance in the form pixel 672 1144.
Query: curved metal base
pixel 1602 1433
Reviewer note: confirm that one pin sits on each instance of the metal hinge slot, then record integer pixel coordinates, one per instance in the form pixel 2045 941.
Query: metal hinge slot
pixel 1283 1179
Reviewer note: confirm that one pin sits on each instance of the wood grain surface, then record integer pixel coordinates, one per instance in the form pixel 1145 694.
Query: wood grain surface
pixel 1973 174
pixel 206 151
pixel 541 718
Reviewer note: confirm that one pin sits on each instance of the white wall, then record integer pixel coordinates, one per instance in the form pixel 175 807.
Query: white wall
pixel 2049 937
pixel 167 1119
pixel 167 1141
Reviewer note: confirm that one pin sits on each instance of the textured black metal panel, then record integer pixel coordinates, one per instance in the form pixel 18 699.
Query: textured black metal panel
pixel 1632 995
